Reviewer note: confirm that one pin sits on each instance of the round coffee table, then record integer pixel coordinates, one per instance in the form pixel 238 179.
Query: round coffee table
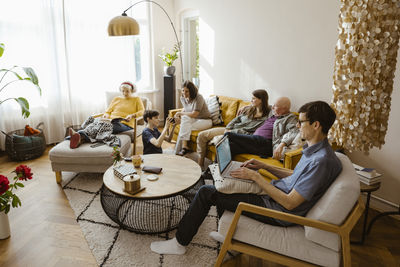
pixel 160 206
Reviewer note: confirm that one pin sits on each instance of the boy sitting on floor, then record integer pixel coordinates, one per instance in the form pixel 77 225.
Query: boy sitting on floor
pixel 151 136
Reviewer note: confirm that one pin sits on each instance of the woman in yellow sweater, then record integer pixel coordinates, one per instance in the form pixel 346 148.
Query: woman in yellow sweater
pixel 117 118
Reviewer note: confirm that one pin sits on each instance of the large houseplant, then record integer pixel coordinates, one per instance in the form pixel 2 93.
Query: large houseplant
pixel 169 59
pixel 28 74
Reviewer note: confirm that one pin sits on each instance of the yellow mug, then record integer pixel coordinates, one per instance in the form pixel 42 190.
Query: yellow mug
pixel 136 161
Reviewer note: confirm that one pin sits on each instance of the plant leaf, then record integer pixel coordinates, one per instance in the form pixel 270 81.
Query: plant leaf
pixel 7 208
pixel 33 78
pixel 31 73
pixel 20 184
pixel 2 47
pixel 24 106
pixel 16 74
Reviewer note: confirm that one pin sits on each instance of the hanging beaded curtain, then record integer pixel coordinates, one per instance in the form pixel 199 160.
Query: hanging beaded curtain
pixel 365 63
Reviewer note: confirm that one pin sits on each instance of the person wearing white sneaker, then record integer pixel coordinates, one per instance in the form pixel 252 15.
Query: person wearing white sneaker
pixel 296 193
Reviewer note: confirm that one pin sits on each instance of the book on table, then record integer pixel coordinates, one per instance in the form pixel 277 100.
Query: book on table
pixel 366 172
pixel 368 181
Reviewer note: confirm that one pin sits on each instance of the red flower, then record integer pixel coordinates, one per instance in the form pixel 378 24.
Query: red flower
pixel 3 184
pixel 23 172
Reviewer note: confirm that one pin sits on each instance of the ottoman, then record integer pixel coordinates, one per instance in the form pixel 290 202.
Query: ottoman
pixel 85 158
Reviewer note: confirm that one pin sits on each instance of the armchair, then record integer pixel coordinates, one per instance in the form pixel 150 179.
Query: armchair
pixel 98 159
pixel 321 238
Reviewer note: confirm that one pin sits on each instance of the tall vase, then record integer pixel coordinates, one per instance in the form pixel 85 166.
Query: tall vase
pixel 4 226
pixel 169 70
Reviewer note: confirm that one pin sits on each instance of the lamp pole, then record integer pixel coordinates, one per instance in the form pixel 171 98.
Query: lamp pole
pixel 172 25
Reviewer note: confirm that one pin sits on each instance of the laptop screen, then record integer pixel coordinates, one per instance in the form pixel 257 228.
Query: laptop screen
pixel 223 154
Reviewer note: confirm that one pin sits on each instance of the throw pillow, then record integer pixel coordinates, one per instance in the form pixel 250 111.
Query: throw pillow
pixel 213 105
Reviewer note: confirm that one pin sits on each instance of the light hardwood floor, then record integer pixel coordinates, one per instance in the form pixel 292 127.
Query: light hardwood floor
pixel 45 233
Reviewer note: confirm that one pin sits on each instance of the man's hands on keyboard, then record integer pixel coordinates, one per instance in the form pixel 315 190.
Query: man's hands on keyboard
pixel 244 173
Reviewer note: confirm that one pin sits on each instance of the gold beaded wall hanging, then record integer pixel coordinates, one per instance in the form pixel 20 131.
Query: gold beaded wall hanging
pixel 365 62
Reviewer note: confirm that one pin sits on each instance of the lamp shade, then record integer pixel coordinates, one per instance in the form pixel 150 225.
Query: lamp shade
pixel 123 25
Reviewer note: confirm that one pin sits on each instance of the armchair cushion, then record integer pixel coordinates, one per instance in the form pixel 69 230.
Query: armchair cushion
pixel 335 205
pixel 283 240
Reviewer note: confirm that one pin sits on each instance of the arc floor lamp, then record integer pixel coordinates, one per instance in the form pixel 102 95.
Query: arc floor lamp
pixel 125 25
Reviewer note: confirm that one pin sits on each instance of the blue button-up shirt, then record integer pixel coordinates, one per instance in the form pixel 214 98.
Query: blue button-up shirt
pixel 317 169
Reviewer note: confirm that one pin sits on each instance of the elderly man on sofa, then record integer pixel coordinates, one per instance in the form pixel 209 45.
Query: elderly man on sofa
pixel 272 137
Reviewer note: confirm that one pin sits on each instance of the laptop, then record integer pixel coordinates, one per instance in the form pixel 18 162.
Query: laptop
pixel 224 157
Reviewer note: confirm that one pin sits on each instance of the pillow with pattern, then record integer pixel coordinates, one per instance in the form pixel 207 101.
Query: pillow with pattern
pixel 214 105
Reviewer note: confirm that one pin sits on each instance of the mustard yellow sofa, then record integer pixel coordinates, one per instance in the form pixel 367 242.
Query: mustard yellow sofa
pixel 229 110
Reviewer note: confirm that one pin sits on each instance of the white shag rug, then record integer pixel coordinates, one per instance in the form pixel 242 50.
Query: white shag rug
pixel 112 245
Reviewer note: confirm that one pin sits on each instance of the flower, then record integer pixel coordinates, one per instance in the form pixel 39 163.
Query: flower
pixel 23 172
pixel 7 198
pixel 3 184
pixel 169 58
pixel 116 154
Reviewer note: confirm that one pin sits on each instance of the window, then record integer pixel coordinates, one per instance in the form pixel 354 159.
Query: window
pixel 67 44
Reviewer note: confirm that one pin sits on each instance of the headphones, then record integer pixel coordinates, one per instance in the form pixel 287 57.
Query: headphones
pixel 133 87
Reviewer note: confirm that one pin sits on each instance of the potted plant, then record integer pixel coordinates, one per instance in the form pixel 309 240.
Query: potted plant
pixel 169 59
pixel 30 77
pixel 8 198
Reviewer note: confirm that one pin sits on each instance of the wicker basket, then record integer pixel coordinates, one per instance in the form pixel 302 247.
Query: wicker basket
pixel 20 147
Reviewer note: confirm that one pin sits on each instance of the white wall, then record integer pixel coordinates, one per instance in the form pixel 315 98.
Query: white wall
pixel 287 47
pixel 163 37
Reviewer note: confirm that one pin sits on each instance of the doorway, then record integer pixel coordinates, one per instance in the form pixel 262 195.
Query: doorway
pixel 191 47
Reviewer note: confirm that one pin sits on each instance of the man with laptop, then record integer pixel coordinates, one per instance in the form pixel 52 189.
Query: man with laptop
pixel 296 192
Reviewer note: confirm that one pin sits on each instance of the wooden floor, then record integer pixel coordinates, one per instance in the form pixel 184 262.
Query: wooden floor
pixel 45 233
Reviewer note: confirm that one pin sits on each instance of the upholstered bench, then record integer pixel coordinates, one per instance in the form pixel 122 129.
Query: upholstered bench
pixel 86 158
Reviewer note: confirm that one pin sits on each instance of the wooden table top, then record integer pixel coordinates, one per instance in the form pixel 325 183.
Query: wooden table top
pixel 178 174
pixel 369 188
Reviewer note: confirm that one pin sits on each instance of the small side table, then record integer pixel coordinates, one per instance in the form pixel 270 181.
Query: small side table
pixel 364 188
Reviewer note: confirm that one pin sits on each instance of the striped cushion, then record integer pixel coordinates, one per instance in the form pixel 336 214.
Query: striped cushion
pixel 213 105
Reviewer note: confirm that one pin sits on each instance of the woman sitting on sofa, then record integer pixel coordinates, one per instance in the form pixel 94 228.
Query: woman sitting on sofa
pixel 116 119
pixel 248 120
pixel 194 117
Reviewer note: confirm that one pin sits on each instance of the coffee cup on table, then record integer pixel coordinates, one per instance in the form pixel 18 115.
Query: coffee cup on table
pixel 136 161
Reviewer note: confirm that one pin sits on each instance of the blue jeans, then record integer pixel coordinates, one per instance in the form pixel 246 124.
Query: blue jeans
pixel 208 196
pixel 249 144
pixel 120 127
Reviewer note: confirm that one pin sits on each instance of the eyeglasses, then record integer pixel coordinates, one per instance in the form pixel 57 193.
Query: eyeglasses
pixel 299 122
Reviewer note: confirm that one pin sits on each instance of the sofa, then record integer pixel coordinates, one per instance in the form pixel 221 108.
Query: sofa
pixel 229 109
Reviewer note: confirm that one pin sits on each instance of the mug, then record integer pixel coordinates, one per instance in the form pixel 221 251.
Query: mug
pixel 136 161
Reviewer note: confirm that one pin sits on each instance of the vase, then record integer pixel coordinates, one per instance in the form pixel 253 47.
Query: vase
pixel 4 226
pixel 169 70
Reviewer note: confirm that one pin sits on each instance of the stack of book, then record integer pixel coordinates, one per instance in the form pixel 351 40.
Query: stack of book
pixel 367 176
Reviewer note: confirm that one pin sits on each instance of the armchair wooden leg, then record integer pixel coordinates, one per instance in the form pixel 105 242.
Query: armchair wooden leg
pixel 221 255
pixel 58 177
pixel 346 251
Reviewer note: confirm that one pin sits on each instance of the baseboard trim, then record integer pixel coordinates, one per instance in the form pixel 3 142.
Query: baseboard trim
pixel 383 205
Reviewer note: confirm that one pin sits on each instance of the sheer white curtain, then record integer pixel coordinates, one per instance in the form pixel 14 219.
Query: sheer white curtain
pixel 67 44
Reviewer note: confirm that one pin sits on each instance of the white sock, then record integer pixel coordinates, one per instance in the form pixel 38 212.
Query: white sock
pixel 217 236
pixel 168 247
